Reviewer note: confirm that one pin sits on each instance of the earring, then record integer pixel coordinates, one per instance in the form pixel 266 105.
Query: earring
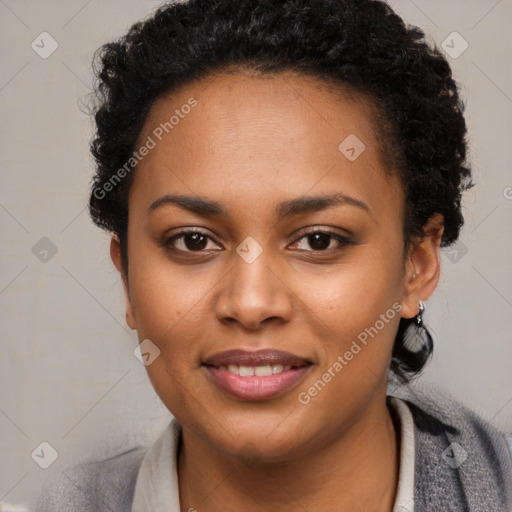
pixel 418 319
pixel 422 331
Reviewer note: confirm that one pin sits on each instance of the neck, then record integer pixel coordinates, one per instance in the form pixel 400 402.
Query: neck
pixel 355 471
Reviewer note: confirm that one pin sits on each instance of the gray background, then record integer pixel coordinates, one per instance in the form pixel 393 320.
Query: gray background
pixel 68 375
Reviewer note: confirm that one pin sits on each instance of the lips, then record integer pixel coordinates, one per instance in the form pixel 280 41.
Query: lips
pixel 257 358
pixel 256 375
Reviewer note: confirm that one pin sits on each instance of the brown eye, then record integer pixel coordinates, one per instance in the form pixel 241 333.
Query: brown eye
pixel 195 241
pixel 322 241
pixel 319 241
pixel 188 241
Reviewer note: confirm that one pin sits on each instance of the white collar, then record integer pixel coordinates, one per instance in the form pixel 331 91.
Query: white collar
pixel 404 501
pixel 157 488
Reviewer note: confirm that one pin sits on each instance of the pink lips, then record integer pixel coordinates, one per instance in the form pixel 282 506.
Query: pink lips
pixel 279 372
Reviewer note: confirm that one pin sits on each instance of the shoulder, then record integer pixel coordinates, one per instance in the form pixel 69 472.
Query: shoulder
pixel 94 486
pixel 437 413
pixel 459 454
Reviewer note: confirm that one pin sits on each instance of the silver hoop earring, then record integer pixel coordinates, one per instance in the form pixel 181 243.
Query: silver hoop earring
pixel 418 319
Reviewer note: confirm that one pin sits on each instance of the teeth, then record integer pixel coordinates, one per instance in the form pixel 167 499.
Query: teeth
pixel 246 371
pixel 277 368
pixel 232 368
pixel 258 371
pixel 263 371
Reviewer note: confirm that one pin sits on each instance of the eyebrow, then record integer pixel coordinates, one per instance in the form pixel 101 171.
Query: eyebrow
pixel 300 205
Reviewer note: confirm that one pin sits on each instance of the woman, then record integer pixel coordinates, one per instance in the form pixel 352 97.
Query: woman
pixel 278 179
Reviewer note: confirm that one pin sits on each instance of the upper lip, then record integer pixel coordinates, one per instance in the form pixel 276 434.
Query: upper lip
pixel 255 358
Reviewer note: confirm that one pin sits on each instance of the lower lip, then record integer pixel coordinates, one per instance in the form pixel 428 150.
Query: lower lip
pixel 257 388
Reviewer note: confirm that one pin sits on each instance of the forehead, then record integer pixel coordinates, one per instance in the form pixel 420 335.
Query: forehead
pixel 264 133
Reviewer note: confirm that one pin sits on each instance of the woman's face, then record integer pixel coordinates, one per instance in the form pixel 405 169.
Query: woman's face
pixel 275 314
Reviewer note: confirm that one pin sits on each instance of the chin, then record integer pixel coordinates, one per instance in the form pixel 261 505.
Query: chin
pixel 259 437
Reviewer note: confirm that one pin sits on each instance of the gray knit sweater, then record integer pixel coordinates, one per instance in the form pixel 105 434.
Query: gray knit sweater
pixel 462 465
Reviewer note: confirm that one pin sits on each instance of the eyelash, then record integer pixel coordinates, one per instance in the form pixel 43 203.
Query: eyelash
pixel 342 240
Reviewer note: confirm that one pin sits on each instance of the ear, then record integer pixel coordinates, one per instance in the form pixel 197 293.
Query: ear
pixel 115 254
pixel 423 267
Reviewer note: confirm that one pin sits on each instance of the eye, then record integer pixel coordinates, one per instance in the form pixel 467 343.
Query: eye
pixel 322 240
pixel 191 240
pixel 319 240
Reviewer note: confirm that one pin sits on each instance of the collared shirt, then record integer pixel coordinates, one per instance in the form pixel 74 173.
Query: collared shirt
pixel 157 488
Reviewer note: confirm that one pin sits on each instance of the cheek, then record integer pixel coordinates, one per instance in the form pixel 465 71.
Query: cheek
pixel 360 304
pixel 168 306
pixel 164 295
pixel 354 295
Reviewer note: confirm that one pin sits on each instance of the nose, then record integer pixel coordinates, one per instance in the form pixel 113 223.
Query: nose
pixel 254 294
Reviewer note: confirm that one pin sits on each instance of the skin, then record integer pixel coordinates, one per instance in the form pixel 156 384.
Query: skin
pixel 251 143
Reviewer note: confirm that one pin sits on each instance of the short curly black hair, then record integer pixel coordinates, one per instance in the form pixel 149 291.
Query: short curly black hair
pixel 362 45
